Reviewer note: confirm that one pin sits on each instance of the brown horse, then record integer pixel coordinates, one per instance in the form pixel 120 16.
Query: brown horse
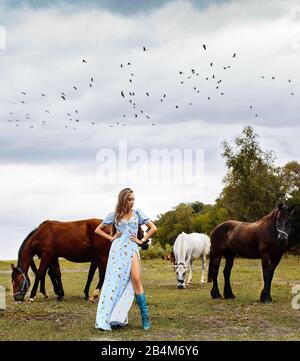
pixel 76 241
pixel 53 277
pixel 266 239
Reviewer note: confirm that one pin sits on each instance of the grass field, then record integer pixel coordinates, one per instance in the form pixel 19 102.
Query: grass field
pixel 188 314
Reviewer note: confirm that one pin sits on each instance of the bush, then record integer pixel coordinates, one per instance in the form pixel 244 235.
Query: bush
pixel 154 251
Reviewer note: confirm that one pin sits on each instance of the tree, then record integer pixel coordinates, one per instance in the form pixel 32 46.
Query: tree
pixel 290 173
pixel 174 222
pixel 252 185
pixel 209 218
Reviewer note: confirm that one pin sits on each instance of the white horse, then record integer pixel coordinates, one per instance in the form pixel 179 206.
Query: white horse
pixel 187 248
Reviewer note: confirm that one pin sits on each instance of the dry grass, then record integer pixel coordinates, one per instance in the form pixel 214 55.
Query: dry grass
pixel 188 314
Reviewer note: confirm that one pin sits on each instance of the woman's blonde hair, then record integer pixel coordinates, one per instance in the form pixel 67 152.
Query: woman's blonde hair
pixel 122 205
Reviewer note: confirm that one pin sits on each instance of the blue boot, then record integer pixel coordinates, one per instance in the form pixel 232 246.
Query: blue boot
pixel 141 301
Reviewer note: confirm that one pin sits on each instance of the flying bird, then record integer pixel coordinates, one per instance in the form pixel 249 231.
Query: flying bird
pixel 122 93
pixel 84 61
pixel 204 46
pixel 234 55
pixel 43 95
pixel 144 48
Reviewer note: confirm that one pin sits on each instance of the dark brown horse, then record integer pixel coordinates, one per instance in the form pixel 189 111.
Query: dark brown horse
pixel 266 239
pixel 76 241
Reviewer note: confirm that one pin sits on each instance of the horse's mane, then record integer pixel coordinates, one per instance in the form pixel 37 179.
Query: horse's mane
pixel 271 215
pixel 24 244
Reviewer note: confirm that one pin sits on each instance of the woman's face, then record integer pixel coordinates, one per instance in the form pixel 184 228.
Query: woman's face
pixel 130 200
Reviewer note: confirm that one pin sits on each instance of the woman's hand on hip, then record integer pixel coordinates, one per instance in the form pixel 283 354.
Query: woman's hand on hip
pixel 117 235
pixel 135 239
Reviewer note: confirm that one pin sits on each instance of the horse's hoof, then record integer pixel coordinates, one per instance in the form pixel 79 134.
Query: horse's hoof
pixel 216 295
pixel 92 300
pixel 266 300
pixel 46 296
pixel 202 283
pixel 229 296
pixel 30 299
pixel 59 298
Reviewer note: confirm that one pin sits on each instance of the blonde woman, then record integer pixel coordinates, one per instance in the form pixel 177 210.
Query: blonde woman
pixel 123 276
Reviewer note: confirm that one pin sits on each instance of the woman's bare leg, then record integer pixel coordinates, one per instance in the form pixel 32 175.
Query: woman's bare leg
pixel 136 275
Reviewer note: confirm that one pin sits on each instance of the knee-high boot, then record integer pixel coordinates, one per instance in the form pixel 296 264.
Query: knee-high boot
pixel 141 301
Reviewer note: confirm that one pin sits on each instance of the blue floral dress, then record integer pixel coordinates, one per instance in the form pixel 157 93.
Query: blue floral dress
pixel 117 293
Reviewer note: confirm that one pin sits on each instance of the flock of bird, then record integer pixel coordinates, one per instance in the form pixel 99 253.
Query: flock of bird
pixel 129 95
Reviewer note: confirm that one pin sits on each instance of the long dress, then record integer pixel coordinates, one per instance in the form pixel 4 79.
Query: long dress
pixel 117 293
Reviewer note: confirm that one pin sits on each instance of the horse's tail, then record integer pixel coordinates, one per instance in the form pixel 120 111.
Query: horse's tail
pixel 25 241
pixel 209 276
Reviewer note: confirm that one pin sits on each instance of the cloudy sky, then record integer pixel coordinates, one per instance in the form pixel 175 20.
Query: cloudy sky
pixel 66 159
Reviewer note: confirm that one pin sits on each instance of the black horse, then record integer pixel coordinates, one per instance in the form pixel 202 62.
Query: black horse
pixel 266 239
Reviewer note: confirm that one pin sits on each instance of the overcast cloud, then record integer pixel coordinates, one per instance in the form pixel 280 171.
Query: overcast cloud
pixel 50 171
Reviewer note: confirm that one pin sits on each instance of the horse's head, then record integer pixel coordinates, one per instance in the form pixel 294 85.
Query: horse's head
pixel 284 221
pixel 180 270
pixel 20 282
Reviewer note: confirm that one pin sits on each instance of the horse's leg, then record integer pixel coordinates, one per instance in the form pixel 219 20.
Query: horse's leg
pixel 99 285
pixel 41 272
pixel 42 285
pixel 189 281
pixel 92 270
pixel 52 275
pixel 268 267
pixel 216 260
pixel 229 256
pixel 203 269
pixel 56 269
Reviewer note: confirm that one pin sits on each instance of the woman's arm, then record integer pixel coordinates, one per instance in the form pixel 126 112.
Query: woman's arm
pixel 100 232
pixel 152 229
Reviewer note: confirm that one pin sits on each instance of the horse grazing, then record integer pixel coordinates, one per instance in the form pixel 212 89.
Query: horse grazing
pixel 266 239
pixel 188 247
pixel 76 241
